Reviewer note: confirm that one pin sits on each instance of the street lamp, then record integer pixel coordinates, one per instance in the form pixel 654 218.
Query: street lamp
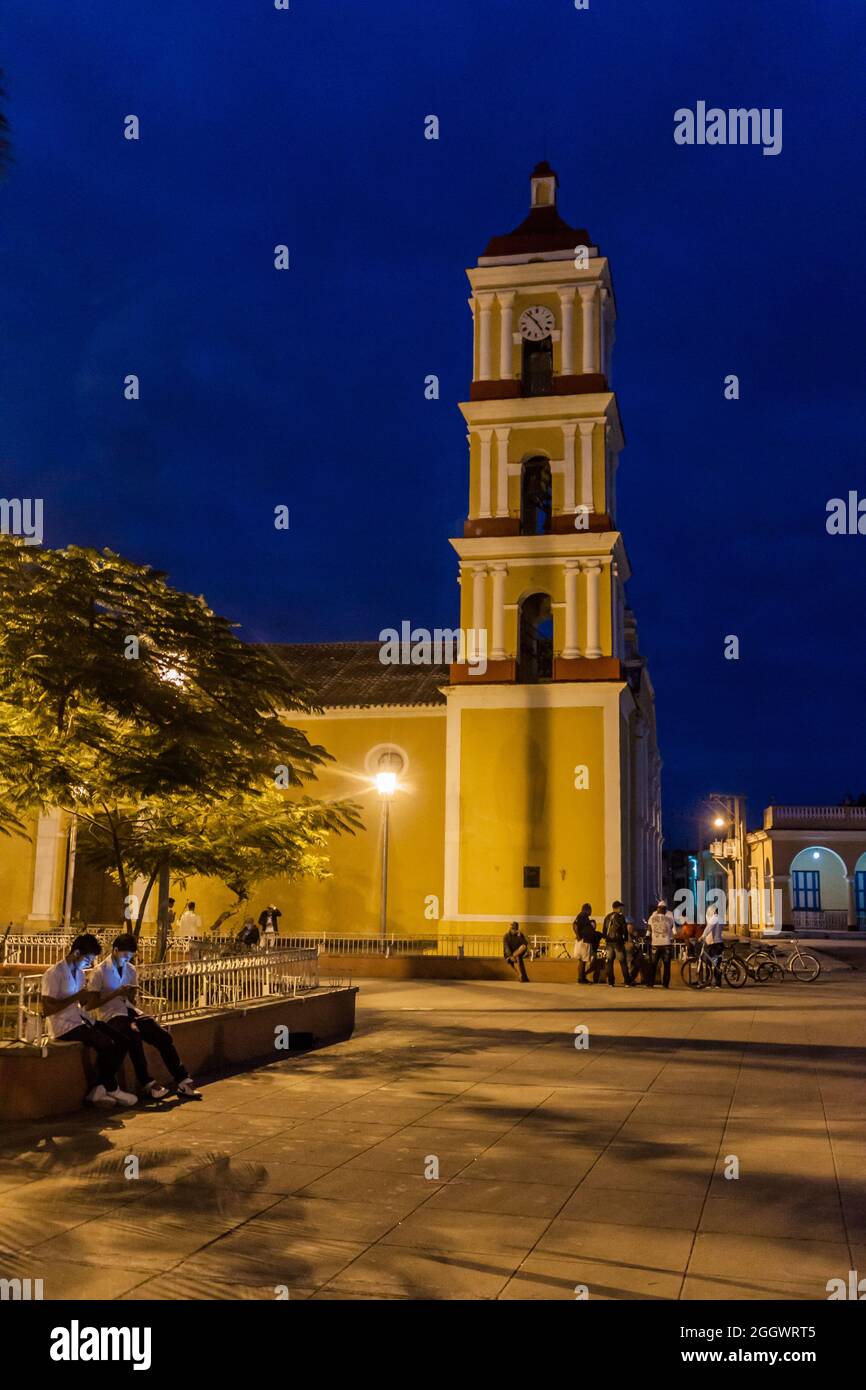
pixel 385 780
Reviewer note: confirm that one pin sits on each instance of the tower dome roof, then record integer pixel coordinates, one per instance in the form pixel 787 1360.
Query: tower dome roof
pixel 543 230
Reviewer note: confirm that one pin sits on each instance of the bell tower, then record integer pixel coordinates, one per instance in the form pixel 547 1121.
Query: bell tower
pixel 552 786
pixel 544 441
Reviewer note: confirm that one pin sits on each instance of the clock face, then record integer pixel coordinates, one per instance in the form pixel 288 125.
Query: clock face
pixel 536 322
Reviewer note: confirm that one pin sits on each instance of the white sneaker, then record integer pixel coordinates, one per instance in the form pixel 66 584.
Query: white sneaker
pixel 154 1091
pixel 123 1097
pixel 99 1096
pixel 187 1088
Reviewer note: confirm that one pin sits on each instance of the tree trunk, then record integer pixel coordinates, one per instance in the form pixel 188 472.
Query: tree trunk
pixel 143 904
pixel 162 911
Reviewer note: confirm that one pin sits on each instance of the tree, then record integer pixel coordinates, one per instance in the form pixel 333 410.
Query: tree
pixel 119 694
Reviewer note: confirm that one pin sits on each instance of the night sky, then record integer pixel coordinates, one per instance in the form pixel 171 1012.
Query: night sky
pixel 306 388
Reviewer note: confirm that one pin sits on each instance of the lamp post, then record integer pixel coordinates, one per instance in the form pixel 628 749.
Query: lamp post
pixel 731 817
pixel 386 786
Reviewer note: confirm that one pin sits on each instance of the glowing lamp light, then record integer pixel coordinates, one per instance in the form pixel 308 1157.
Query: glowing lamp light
pixel 816 854
pixel 386 783
pixel 719 822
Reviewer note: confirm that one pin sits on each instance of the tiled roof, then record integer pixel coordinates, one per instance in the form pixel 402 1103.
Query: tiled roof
pixel 543 230
pixel 350 673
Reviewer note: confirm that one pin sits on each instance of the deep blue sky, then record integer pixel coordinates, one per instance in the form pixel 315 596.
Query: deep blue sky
pixel 306 127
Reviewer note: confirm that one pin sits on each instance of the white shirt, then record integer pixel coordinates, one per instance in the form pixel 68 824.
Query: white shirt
pixel 59 982
pixel 712 932
pixel 104 978
pixel 190 922
pixel 661 925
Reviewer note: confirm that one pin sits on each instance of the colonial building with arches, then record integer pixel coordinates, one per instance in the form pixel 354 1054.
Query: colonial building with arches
pixel 814 858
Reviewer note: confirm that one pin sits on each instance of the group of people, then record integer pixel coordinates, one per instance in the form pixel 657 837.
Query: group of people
pixel 95 1004
pixel 268 925
pixel 639 948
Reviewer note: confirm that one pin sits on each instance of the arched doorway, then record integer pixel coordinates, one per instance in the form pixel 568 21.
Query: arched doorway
pixel 819 888
pixel 535 647
pixel 536 497
pixel 860 891
pixel 538 367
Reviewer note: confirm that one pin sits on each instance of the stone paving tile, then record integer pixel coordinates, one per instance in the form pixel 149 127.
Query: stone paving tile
pixel 401 1192
pixel 502 1198
pixel 65 1280
pixel 506 1165
pixel 700 1288
pixel 645 1247
pixel 769 1259
pixel 178 1285
pixel 777 1208
pixel 120 1241
pixel 273 1175
pixel 397 1272
pixel 435 1229
pixel 559 1276
pixel 303 1262
pixel 634 1206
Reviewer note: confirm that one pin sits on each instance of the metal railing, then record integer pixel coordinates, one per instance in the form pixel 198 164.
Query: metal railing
pixel 479 947
pixel 824 919
pixel 44 948
pixel 172 992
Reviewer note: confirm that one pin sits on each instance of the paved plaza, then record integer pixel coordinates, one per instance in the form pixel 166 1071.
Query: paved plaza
pixel 557 1166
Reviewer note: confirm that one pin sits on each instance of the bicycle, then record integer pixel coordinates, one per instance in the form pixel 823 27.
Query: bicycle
pixel 698 972
pixel 763 964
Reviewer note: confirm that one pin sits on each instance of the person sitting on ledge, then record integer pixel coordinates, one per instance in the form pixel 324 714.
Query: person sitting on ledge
pixel 516 946
pixel 65 996
pixel 114 983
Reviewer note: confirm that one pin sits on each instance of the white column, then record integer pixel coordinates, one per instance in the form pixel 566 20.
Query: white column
pixel 502 470
pixel 45 903
pixel 593 626
pixel 572 576
pixel 497 646
pixel 479 598
pixel 852 901
pixel 589 327
pixel 586 431
pixel 568 488
pixel 485 436
pixel 566 299
pixel 485 350
pixel 506 345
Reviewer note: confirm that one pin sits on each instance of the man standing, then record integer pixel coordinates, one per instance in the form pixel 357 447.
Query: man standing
pixel 615 933
pixel 662 926
pixel 65 995
pixel 190 922
pixel 269 920
pixel 516 946
pixel 713 943
pixel 114 984
pixel 587 945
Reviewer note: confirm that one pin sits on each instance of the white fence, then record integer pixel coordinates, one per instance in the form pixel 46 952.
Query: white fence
pixel 172 992
pixel 44 948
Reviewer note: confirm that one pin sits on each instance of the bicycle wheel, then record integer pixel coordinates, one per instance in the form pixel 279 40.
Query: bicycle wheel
pixel 735 972
pixel 768 970
pixel 694 975
pixel 804 968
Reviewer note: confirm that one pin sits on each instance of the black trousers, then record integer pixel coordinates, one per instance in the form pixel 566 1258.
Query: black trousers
pixel 110 1049
pixel 614 954
pixel 518 957
pixel 663 954
pixel 136 1030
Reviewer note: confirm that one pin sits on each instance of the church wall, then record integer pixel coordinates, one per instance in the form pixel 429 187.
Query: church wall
pixel 17 856
pixel 513 803
pixel 349 901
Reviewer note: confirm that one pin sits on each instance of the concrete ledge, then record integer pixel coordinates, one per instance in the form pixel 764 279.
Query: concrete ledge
pixel 33 1085
pixel 378 967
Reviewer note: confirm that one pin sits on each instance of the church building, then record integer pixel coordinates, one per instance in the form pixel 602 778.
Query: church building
pixel 519 776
